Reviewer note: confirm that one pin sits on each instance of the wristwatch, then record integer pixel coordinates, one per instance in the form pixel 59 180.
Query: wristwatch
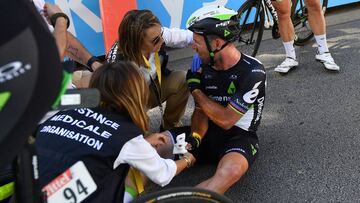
pixel 54 17
pixel 90 62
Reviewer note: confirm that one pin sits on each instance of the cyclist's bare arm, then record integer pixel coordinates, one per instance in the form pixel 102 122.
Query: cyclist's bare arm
pixel 199 122
pixel 225 117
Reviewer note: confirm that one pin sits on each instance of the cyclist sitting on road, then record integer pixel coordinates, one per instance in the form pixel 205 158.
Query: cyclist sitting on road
pixel 287 33
pixel 108 138
pixel 229 94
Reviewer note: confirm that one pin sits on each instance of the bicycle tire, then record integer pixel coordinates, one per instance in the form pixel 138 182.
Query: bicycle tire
pixel 303 32
pixel 251 17
pixel 183 194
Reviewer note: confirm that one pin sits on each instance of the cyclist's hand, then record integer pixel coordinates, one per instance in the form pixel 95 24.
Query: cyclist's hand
pixel 194 140
pixel 196 63
pixel 193 80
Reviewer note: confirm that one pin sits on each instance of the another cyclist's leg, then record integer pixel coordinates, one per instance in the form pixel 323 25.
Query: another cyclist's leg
pixel 316 17
pixel 230 169
pixel 287 33
pixel 318 26
pixel 286 28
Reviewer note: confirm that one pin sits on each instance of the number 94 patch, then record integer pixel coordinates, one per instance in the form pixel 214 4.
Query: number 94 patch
pixel 72 186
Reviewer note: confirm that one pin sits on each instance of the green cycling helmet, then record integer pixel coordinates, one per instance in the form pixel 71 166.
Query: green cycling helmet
pixel 215 20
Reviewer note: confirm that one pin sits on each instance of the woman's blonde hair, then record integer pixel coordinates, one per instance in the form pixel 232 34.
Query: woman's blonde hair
pixel 123 89
pixel 131 34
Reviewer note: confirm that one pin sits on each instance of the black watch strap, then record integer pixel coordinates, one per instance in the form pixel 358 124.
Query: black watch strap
pixel 54 17
pixel 90 62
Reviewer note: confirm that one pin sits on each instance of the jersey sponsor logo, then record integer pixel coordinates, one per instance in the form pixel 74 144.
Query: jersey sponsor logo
pixel 257 71
pixel 251 95
pixel 212 87
pixel 220 98
pixel 13 70
pixel 231 89
pixel 207 76
pixel 253 150
pixel 241 105
pixel 233 77
pixel 236 149
pixel 260 107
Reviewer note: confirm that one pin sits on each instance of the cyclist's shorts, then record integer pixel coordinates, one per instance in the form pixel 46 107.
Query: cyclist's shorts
pixel 217 142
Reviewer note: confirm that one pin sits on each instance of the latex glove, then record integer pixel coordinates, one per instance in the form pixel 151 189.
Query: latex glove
pixel 196 63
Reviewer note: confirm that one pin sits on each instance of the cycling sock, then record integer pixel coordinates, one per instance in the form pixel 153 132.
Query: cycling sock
pixel 129 194
pixel 290 49
pixel 322 44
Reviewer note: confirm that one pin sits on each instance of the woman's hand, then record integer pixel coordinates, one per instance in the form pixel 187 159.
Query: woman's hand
pixel 51 9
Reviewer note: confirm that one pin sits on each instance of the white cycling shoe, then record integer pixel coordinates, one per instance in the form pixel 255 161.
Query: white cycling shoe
pixel 328 61
pixel 286 65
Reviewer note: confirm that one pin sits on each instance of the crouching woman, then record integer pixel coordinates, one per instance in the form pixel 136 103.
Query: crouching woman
pixel 110 138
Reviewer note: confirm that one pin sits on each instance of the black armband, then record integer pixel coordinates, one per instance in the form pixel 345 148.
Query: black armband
pixel 90 62
pixel 54 17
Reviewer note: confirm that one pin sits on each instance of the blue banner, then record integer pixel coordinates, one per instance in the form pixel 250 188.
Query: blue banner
pixel 85 22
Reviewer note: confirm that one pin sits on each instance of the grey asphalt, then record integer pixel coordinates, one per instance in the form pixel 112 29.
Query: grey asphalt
pixel 309 135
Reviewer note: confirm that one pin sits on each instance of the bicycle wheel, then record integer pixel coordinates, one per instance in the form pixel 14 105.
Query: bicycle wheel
pixel 183 195
pixel 251 18
pixel 303 32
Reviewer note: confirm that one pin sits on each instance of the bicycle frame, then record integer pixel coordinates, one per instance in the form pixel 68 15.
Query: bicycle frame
pixel 272 10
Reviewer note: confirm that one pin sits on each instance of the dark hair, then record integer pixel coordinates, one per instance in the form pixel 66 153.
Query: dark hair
pixel 131 34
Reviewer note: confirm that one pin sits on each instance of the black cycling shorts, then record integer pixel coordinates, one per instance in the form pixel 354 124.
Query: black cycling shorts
pixel 217 142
